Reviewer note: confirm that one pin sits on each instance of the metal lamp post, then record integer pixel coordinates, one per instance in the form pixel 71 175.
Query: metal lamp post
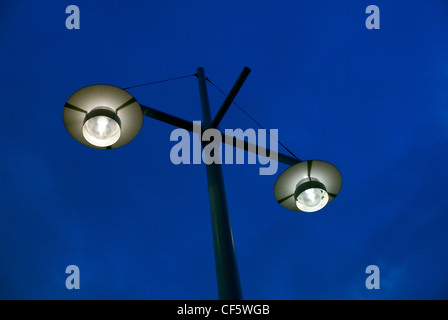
pixel 107 117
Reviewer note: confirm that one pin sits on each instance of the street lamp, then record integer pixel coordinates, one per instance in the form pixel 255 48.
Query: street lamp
pixel 107 117
pixel 308 186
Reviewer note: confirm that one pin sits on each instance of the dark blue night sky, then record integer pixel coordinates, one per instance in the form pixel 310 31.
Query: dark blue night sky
pixel 372 102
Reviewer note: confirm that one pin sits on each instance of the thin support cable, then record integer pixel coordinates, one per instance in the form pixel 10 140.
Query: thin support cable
pixel 253 119
pixel 160 81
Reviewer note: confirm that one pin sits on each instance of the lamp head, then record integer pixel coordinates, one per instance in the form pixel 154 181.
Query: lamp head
pixel 102 116
pixel 308 186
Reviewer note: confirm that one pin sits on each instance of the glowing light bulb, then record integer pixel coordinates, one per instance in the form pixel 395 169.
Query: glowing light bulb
pixel 101 131
pixel 102 126
pixel 311 197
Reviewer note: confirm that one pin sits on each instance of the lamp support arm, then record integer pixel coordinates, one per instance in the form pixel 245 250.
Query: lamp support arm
pixel 237 143
pixel 230 97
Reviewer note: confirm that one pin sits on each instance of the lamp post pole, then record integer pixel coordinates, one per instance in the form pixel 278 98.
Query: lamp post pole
pixel 229 287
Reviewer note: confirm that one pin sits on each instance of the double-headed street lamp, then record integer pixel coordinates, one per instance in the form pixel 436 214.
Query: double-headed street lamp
pixel 107 117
